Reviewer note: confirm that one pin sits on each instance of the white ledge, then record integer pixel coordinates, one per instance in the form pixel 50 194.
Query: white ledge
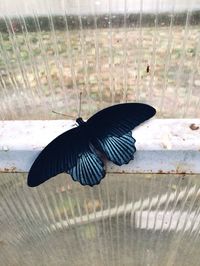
pixel 163 145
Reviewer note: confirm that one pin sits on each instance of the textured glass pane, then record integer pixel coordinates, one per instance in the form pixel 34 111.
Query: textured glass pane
pixel 126 220
pixel 111 51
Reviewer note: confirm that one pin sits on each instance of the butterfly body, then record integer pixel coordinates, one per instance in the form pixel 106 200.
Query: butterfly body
pixel 80 121
pixel 75 151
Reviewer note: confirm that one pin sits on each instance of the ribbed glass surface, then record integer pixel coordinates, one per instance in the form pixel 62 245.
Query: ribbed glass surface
pixel 111 51
pixel 126 220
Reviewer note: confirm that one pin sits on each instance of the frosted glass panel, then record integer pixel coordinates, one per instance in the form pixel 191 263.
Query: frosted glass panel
pixel 126 220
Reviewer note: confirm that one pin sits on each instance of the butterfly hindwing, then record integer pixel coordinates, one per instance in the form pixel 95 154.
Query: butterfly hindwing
pixel 89 169
pixel 120 150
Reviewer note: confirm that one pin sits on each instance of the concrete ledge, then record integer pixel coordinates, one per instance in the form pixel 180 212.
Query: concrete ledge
pixel 163 145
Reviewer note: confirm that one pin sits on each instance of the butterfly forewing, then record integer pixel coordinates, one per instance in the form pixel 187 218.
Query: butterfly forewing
pixel 67 153
pixel 119 119
pixel 112 130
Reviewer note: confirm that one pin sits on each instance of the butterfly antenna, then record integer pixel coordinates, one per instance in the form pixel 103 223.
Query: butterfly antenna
pixel 79 108
pixel 62 114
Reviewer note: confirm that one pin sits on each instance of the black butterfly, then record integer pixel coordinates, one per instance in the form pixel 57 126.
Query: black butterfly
pixel 76 151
